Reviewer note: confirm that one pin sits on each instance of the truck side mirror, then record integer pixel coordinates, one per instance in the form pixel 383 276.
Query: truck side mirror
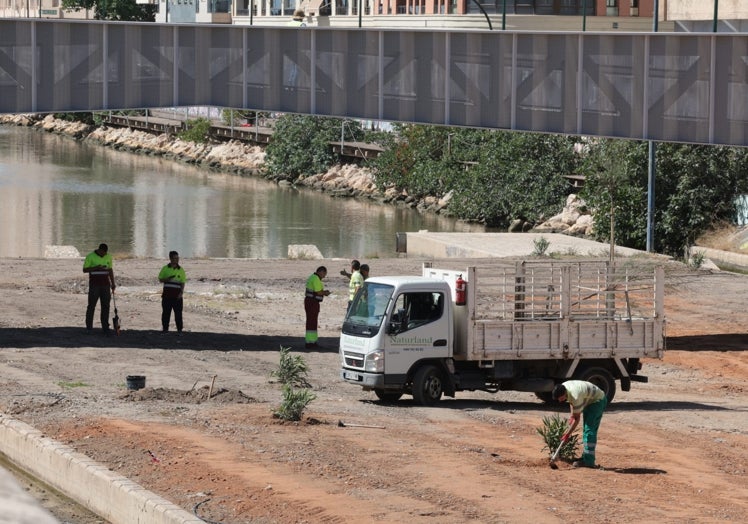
pixel 397 323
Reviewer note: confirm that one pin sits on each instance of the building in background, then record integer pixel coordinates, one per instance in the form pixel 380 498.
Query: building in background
pixel 541 15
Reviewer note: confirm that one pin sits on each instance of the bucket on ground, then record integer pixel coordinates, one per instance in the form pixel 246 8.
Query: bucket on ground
pixel 135 381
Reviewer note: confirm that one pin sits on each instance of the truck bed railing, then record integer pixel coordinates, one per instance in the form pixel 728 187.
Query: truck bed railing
pixel 588 290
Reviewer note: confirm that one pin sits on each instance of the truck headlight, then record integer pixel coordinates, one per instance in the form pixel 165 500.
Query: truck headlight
pixel 375 362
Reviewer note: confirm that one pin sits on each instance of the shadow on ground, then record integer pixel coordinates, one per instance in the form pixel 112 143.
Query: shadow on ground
pixel 716 342
pixel 504 405
pixel 69 337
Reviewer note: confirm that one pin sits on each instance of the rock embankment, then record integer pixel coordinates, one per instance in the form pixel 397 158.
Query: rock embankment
pixel 573 220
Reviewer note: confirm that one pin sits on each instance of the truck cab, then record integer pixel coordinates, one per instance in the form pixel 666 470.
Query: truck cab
pixel 393 324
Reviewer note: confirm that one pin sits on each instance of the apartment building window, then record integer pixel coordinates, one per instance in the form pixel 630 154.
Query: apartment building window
pixel 554 7
pixel 611 7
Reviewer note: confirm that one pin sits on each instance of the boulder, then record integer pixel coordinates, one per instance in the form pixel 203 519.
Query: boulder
pixel 304 252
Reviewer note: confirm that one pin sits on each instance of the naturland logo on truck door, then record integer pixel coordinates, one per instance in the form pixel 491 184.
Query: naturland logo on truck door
pixel 411 341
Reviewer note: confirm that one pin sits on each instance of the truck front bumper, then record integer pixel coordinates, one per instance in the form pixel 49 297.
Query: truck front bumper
pixel 369 380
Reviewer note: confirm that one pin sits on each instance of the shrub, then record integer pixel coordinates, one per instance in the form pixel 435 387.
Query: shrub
pixel 540 246
pixel 301 145
pixel 196 130
pixel 292 369
pixel 291 372
pixel 697 259
pixel 294 403
pixel 553 428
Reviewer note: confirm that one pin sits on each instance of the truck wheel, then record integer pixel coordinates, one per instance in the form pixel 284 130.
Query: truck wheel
pixel 546 397
pixel 602 378
pixel 428 385
pixel 388 397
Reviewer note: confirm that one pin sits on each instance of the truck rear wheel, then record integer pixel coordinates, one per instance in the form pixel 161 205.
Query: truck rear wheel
pixel 602 378
pixel 428 385
pixel 388 397
pixel 546 397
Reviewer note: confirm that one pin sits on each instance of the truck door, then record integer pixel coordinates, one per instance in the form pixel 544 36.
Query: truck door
pixel 419 328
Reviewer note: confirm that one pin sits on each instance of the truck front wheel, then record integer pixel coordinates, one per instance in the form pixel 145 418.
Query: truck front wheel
pixel 428 385
pixel 602 378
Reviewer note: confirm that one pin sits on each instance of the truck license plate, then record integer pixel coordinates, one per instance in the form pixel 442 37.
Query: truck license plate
pixel 350 375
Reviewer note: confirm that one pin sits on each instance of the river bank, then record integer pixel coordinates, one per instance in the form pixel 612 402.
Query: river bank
pixel 233 156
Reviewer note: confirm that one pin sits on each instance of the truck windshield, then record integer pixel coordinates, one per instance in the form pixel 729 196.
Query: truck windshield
pixel 367 309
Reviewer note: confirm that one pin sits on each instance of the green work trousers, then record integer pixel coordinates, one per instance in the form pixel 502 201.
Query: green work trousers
pixel 591 417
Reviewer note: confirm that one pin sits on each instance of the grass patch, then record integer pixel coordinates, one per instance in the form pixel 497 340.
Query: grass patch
pixel 70 385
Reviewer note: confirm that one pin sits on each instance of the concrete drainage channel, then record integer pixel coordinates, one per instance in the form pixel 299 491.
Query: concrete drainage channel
pixel 113 497
pixel 27 500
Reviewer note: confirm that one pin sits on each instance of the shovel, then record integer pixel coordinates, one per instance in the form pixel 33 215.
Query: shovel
pixel 349 425
pixel 554 457
pixel 115 320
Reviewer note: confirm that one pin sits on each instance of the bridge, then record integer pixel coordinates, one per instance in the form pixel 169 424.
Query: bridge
pixel 676 87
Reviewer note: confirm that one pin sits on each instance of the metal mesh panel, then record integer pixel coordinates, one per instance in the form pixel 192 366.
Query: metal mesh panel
pixel 672 87
pixel 143 58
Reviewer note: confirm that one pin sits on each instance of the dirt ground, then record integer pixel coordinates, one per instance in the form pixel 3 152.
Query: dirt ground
pixel 671 450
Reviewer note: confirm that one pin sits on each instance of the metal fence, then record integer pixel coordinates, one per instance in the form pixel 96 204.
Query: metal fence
pixel 664 86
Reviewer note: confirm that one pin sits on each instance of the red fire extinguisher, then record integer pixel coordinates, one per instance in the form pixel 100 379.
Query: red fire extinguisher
pixel 460 291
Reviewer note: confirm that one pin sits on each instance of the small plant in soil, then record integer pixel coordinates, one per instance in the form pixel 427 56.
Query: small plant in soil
pixel 541 245
pixel 697 260
pixel 294 403
pixel 291 372
pixel 551 431
pixel 292 369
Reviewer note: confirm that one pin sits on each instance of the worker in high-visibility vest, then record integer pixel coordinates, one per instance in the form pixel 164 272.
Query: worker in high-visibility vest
pixel 315 293
pixel 100 268
pixel 356 280
pixel 173 277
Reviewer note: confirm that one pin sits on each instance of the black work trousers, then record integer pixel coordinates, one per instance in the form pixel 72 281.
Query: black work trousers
pixel 167 305
pixel 96 294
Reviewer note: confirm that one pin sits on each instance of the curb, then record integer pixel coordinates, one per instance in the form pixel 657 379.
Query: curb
pixel 111 496
pixel 725 259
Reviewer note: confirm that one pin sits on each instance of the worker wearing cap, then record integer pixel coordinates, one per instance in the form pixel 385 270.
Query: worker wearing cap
pixel 315 293
pixel 588 400
pixel 100 268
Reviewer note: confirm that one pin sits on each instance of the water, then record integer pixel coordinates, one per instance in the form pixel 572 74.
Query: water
pixel 57 191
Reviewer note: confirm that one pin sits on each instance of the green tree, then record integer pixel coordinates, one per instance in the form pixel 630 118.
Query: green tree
pixel 418 159
pixel 114 9
pixel 695 188
pixel 517 176
pixel 615 188
pixel 301 145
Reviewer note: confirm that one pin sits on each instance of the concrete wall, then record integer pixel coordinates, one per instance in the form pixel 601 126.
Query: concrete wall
pixel 704 9
pixel 109 495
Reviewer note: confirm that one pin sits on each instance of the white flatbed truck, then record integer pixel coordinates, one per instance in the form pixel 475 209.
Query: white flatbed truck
pixel 522 326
